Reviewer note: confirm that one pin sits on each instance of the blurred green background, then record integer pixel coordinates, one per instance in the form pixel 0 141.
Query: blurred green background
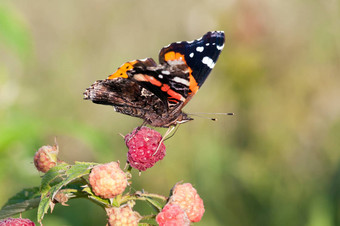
pixel 277 162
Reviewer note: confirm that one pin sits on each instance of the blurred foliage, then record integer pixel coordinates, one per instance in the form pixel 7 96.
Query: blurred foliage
pixel 275 163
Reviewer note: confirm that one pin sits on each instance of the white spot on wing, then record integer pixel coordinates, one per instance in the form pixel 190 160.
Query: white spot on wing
pixel 208 61
pixel 160 76
pixel 181 81
pixel 166 72
pixel 207 44
pixel 220 47
pixel 146 93
pixel 144 59
pixel 200 49
pixel 191 55
pixel 189 42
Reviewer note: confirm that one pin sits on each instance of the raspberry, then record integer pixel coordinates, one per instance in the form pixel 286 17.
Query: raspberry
pixel 172 215
pixel 187 198
pixel 123 215
pixel 143 144
pixel 46 158
pixel 16 222
pixel 108 180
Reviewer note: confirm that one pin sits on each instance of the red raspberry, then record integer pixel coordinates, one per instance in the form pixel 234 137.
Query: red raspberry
pixel 46 158
pixel 123 215
pixel 143 144
pixel 187 198
pixel 172 215
pixel 16 222
pixel 108 180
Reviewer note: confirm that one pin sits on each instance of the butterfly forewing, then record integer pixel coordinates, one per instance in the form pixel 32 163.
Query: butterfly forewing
pixel 200 55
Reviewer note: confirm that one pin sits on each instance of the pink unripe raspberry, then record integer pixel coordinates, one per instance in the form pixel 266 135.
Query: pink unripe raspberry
pixel 122 216
pixel 108 180
pixel 16 222
pixel 187 198
pixel 172 215
pixel 144 149
pixel 46 158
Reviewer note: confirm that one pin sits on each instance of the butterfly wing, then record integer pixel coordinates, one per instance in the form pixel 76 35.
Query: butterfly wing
pixel 199 55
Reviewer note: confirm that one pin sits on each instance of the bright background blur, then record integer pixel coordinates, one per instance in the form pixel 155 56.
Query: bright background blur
pixel 277 162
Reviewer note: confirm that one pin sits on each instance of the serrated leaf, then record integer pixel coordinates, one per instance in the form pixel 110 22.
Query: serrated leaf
pixel 19 207
pixel 24 200
pixel 67 174
pixel 50 177
pixel 25 194
pixel 76 171
pixel 43 207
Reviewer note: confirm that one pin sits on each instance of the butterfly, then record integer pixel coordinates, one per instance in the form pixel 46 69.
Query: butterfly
pixel 155 92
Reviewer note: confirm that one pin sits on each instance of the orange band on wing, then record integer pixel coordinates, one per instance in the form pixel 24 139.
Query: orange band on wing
pixel 165 88
pixel 121 72
pixel 170 56
pixel 153 81
pixel 175 95
pixel 193 86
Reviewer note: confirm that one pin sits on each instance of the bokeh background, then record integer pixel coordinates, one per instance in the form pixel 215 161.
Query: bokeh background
pixel 277 162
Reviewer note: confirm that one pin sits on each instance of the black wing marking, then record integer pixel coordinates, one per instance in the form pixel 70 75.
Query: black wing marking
pixel 200 55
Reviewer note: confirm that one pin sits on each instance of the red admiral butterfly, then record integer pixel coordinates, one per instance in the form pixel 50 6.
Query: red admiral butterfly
pixel 157 93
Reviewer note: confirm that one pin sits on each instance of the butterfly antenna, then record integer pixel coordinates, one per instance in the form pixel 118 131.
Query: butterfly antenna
pixel 199 114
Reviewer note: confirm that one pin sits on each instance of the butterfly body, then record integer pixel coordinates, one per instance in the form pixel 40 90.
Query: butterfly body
pixel 155 92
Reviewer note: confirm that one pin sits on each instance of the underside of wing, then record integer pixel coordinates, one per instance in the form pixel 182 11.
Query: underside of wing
pixel 122 92
pixel 169 83
pixel 130 98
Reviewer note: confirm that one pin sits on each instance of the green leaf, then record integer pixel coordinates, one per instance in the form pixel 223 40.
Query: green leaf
pixel 76 171
pixel 155 204
pixel 96 199
pixel 24 200
pixel 115 202
pixel 43 207
pixel 50 177
pixel 67 174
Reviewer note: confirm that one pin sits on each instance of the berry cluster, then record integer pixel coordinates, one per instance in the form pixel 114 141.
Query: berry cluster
pixel 184 206
pixel 106 184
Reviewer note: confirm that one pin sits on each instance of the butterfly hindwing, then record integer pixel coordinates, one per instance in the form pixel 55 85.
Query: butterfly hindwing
pixel 169 83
